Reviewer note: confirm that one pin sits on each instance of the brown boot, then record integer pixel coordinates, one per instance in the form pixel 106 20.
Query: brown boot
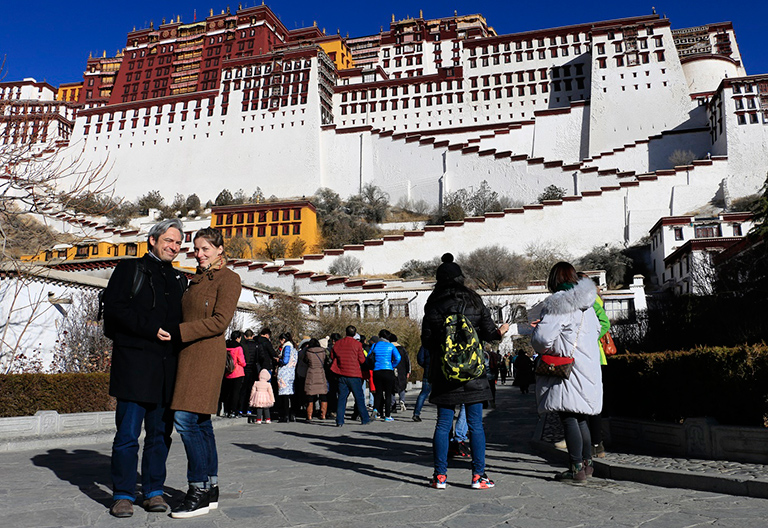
pixel 323 409
pixel 310 410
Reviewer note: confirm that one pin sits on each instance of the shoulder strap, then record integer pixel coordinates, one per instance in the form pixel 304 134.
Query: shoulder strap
pixel 576 342
pixel 139 274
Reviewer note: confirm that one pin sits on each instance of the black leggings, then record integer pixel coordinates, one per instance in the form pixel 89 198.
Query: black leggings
pixel 577 437
pixel 384 381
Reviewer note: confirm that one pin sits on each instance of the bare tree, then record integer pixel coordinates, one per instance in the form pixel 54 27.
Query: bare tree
pixel 275 248
pixel 346 265
pixel 681 157
pixel 37 182
pixel 283 313
pixel 297 248
pixel 239 247
pixel 492 267
pixel 541 257
pixel 82 346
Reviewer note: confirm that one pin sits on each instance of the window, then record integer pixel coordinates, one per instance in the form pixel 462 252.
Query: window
pixel 286 229
pixel 398 308
pixel 707 231
pixel 273 230
pixel 620 309
pixel 678 233
pixel 736 229
pixel 261 231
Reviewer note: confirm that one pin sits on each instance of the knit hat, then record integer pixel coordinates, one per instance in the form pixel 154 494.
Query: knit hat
pixel 448 270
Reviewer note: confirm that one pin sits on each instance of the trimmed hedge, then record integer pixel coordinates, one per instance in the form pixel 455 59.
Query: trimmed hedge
pixel 25 394
pixel 728 384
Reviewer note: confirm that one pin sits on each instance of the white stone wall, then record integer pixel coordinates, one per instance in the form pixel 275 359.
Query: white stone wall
pixel 621 216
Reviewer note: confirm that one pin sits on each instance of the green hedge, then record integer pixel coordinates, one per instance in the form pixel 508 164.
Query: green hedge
pixel 25 394
pixel 728 384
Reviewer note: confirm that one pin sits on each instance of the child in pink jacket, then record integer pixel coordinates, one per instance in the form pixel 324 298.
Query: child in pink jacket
pixel 262 398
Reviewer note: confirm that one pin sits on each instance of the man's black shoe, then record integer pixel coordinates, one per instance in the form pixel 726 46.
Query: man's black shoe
pixel 195 503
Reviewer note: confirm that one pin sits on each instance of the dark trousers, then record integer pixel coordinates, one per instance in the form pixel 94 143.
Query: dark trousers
pixel 577 437
pixel 245 392
pixel 384 381
pixel 158 425
pixel 232 394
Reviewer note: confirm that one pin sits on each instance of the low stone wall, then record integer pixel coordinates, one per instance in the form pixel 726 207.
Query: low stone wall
pixel 51 423
pixel 694 438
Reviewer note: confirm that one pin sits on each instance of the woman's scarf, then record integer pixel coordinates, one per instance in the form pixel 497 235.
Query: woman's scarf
pixel 209 270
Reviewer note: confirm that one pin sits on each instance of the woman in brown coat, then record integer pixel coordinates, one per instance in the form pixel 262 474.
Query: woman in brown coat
pixel 316 385
pixel 207 309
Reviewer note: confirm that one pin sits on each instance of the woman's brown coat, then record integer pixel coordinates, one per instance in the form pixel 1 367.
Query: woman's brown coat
pixel 316 382
pixel 207 309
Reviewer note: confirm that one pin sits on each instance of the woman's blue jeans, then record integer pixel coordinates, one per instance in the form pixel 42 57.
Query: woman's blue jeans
pixel 196 431
pixel 476 437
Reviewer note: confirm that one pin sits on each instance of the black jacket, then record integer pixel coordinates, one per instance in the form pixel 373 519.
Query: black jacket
pixel 143 367
pixel 265 356
pixel 250 351
pixel 442 302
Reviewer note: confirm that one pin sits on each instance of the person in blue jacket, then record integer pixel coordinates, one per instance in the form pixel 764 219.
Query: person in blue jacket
pixel 385 358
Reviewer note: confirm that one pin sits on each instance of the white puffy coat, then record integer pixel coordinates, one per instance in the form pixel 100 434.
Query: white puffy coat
pixel 556 334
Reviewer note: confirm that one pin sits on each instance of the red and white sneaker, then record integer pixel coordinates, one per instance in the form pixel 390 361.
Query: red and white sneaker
pixel 258 421
pixel 482 482
pixel 267 421
pixel 439 482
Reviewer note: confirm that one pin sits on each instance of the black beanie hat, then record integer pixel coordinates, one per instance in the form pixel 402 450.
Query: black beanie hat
pixel 448 270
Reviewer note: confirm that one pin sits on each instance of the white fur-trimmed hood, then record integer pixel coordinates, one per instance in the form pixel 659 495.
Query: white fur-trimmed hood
pixel 580 297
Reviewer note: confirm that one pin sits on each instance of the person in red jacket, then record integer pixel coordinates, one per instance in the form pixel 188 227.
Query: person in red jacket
pixel 347 356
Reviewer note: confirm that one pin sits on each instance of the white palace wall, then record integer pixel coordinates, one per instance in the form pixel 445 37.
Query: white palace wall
pixel 278 151
pixel 619 215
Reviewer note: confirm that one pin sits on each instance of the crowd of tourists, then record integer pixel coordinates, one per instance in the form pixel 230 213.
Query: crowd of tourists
pixel 172 367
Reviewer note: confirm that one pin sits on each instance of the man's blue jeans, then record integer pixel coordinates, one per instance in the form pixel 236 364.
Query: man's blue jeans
pixel 426 388
pixel 355 386
pixel 442 432
pixel 196 433
pixel 158 425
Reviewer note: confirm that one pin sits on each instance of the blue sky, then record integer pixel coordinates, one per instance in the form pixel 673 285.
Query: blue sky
pixel 51 40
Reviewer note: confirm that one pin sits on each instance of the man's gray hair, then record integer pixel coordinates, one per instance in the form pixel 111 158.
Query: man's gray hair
pixel 161 227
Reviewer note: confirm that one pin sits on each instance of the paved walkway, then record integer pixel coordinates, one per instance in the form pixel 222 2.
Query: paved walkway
pixel 376 476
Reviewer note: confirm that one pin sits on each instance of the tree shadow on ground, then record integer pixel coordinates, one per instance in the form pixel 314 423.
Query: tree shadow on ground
pixel 345 452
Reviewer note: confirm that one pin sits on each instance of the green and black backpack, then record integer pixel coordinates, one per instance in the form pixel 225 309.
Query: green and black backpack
pixel 462 350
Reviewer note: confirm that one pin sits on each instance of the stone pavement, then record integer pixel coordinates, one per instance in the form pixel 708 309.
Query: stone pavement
pixel 318 475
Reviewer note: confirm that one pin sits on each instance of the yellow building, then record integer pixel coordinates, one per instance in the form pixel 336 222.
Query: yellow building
pixel 69 92
pixel 90 249
pixel 336 48
pixel 259 223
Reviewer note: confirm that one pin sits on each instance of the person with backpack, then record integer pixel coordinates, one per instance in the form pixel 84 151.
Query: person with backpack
pixel 143 297
pixel 234 374
pixel 455 324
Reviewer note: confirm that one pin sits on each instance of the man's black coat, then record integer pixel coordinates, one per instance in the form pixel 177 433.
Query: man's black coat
pixel 143 367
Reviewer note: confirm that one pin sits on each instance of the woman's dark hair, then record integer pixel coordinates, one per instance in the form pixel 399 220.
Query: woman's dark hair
pixel 561 273
pixel 286 336
pixel 336 336
pixel 212 235
pixel 313 343
pixel 392 338
pixel 384 334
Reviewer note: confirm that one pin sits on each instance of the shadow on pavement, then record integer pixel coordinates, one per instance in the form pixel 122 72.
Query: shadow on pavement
pixel 86 469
